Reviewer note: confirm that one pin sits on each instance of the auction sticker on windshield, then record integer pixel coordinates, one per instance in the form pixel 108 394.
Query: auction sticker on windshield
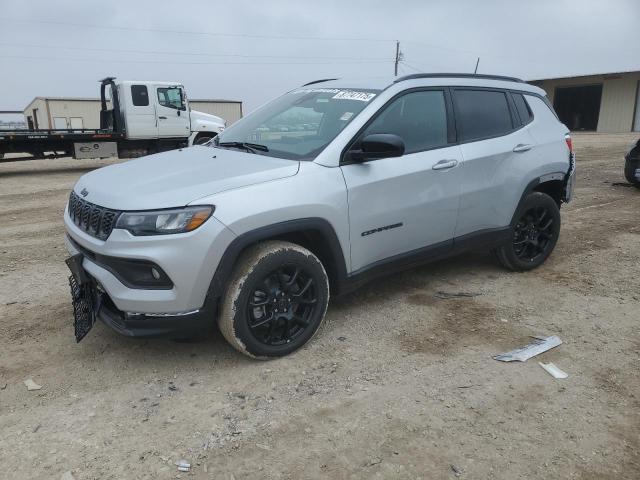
pixel 341 94
pixel 351 95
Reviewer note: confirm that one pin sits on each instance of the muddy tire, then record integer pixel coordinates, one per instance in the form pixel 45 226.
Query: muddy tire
pixel 276 300
pixel 534 233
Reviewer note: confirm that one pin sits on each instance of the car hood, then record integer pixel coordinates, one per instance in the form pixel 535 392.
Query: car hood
pixel 205 118
pixel 178 177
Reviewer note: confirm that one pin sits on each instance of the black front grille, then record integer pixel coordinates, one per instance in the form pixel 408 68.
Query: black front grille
pixel 95 220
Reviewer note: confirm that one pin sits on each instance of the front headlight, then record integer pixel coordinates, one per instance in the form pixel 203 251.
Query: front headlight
pixel 163 222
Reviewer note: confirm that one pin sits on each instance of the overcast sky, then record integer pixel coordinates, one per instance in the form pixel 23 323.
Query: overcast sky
pixel 254 50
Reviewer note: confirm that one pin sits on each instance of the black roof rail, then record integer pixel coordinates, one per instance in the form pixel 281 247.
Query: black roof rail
pixel 319 81
pixel 458 75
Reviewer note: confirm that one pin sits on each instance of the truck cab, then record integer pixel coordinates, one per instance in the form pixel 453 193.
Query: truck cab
pixel 136 118
pixel 151 109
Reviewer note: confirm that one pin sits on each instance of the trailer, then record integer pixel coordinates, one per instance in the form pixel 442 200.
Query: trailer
pixel 136 118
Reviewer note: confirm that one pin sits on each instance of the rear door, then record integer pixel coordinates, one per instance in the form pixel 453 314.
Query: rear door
pixel 406 204
pixel 173 117
pixel 496 150
pixel 140 115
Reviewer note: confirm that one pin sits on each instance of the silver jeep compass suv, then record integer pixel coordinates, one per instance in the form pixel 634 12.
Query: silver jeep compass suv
pixel 324 188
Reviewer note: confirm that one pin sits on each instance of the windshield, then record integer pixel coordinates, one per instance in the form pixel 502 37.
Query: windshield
pixel 299 124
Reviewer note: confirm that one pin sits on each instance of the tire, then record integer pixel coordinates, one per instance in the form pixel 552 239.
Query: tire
pixel 201 140
pixel 269 310
pixel 630 172
pixel 535 231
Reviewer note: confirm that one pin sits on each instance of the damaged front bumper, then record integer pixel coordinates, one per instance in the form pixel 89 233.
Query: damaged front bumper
pixel 91 302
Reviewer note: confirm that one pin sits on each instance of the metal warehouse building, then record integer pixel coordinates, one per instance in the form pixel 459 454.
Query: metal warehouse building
pixel 77 113
pixel 607 103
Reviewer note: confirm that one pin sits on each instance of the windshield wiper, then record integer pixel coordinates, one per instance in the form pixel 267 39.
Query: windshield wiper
pixel 249 147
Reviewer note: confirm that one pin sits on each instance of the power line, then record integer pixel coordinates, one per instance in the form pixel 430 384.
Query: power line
pixel 193 32
pixel 165 52
pixel 412 67
pixel 165 62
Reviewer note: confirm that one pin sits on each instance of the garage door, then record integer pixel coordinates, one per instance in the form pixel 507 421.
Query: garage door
pixel 76 123
pixel 578 107
pixel 59 123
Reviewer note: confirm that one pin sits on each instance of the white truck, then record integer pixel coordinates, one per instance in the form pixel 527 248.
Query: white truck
pixel 136 118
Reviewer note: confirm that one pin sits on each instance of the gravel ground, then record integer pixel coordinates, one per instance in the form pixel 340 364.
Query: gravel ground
pixel 398 384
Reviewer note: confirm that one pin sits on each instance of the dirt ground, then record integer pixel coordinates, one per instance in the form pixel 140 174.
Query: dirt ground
pixel 398 384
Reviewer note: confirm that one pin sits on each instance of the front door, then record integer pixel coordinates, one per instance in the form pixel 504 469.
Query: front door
pixel 407 204
pixel 173 116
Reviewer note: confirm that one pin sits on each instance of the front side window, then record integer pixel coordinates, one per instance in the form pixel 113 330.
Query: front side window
pixel 299 124
pixel 419 118
pixel 171 97
pixel 482 114
pixel 139 95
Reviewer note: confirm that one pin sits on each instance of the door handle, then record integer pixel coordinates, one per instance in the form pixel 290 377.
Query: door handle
pixel 445 164
pixel 522 147
pixel 162 118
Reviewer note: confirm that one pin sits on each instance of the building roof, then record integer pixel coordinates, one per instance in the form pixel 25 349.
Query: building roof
pixel 88 99
pixel 583 75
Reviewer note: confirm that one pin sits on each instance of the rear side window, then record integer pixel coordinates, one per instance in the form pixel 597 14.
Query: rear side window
pixel 419 118
pixel 482 114
pixel 139 95
pixel 522 107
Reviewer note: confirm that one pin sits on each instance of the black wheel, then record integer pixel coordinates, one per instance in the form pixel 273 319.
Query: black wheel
pixel 201 140
pixel 535 232
pixel 276 300
pixel 632 172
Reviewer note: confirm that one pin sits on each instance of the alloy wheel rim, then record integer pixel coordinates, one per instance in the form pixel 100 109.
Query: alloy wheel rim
pixel 533 234
pixel 281 306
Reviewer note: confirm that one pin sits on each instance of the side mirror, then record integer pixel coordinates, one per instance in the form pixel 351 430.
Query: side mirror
pixel 377 146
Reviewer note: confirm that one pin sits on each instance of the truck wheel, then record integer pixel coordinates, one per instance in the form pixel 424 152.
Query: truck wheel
pixel 276 300
pixel 534 233
pixel 201 140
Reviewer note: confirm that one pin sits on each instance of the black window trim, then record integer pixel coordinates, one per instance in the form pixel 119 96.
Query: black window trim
pixel 531 115
pixel 515 124
pixel 452 124
pixel 451 129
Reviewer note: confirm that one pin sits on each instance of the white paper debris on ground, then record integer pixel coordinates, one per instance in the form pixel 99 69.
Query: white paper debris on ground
pixel 183 466
pixel 31 385
pixel 538 346
pixel 554 371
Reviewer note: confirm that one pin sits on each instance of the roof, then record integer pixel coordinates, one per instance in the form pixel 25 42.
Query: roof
pixel 427 79
pixel 68 99
pixel 583 75
pixel 88 99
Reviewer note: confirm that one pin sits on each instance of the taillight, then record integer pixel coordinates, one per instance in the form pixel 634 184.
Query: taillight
pixel 567 138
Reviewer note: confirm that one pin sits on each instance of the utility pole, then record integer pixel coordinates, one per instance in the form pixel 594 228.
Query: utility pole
pixel 398 57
